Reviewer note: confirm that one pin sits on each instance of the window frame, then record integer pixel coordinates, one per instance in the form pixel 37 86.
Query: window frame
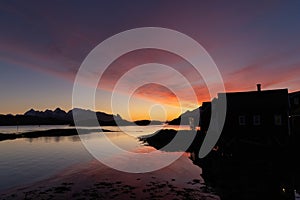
pixel 242 120
pixel 278 119
pixel 296 101
pixel 256 120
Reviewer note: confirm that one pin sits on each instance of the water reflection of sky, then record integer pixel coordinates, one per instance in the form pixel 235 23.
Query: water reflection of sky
pixel 28 128
pixel 131 129
pixel 27 160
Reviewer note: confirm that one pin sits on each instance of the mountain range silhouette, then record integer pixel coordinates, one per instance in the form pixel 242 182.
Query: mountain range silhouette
pixel 61 117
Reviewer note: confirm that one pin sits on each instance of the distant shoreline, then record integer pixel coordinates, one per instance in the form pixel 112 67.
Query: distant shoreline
pixel 47 133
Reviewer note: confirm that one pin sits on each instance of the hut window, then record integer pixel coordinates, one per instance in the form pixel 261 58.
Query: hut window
pixel 277 120
pixel 242 120
pixel 256 120
pixel 296 101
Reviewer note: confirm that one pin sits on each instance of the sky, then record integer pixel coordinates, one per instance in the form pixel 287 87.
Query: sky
pixel 43 44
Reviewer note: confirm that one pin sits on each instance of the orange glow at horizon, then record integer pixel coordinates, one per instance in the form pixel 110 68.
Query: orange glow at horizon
pixel 156 109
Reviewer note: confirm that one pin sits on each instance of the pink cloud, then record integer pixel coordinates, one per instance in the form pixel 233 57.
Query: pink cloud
pixel 57 42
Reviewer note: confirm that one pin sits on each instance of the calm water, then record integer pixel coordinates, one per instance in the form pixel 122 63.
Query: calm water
pixel 26 160
pixel 22 129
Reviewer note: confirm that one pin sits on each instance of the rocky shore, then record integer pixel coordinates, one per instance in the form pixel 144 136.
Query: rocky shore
pixel 248 172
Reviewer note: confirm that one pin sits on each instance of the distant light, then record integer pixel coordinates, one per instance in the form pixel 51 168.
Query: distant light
pixel 283 189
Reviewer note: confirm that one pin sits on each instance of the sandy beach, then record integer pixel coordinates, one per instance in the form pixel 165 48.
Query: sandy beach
pixel 93 180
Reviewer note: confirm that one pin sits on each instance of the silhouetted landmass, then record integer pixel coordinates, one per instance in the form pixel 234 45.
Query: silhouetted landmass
pixel 87 118
pixel 160 138
pixel 47 133
pixel 183 119
pixel 91 123
pixel 201 116
pixel 11 120
pixel 147 122
pixel 186 140
pixel 60 117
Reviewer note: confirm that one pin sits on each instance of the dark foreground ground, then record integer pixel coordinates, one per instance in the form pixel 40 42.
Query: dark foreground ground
pixel 246 172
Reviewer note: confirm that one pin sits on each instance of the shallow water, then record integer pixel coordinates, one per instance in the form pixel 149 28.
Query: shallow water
pixel 27 160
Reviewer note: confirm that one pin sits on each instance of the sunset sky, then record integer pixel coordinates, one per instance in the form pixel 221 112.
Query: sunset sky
pixel 43 43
